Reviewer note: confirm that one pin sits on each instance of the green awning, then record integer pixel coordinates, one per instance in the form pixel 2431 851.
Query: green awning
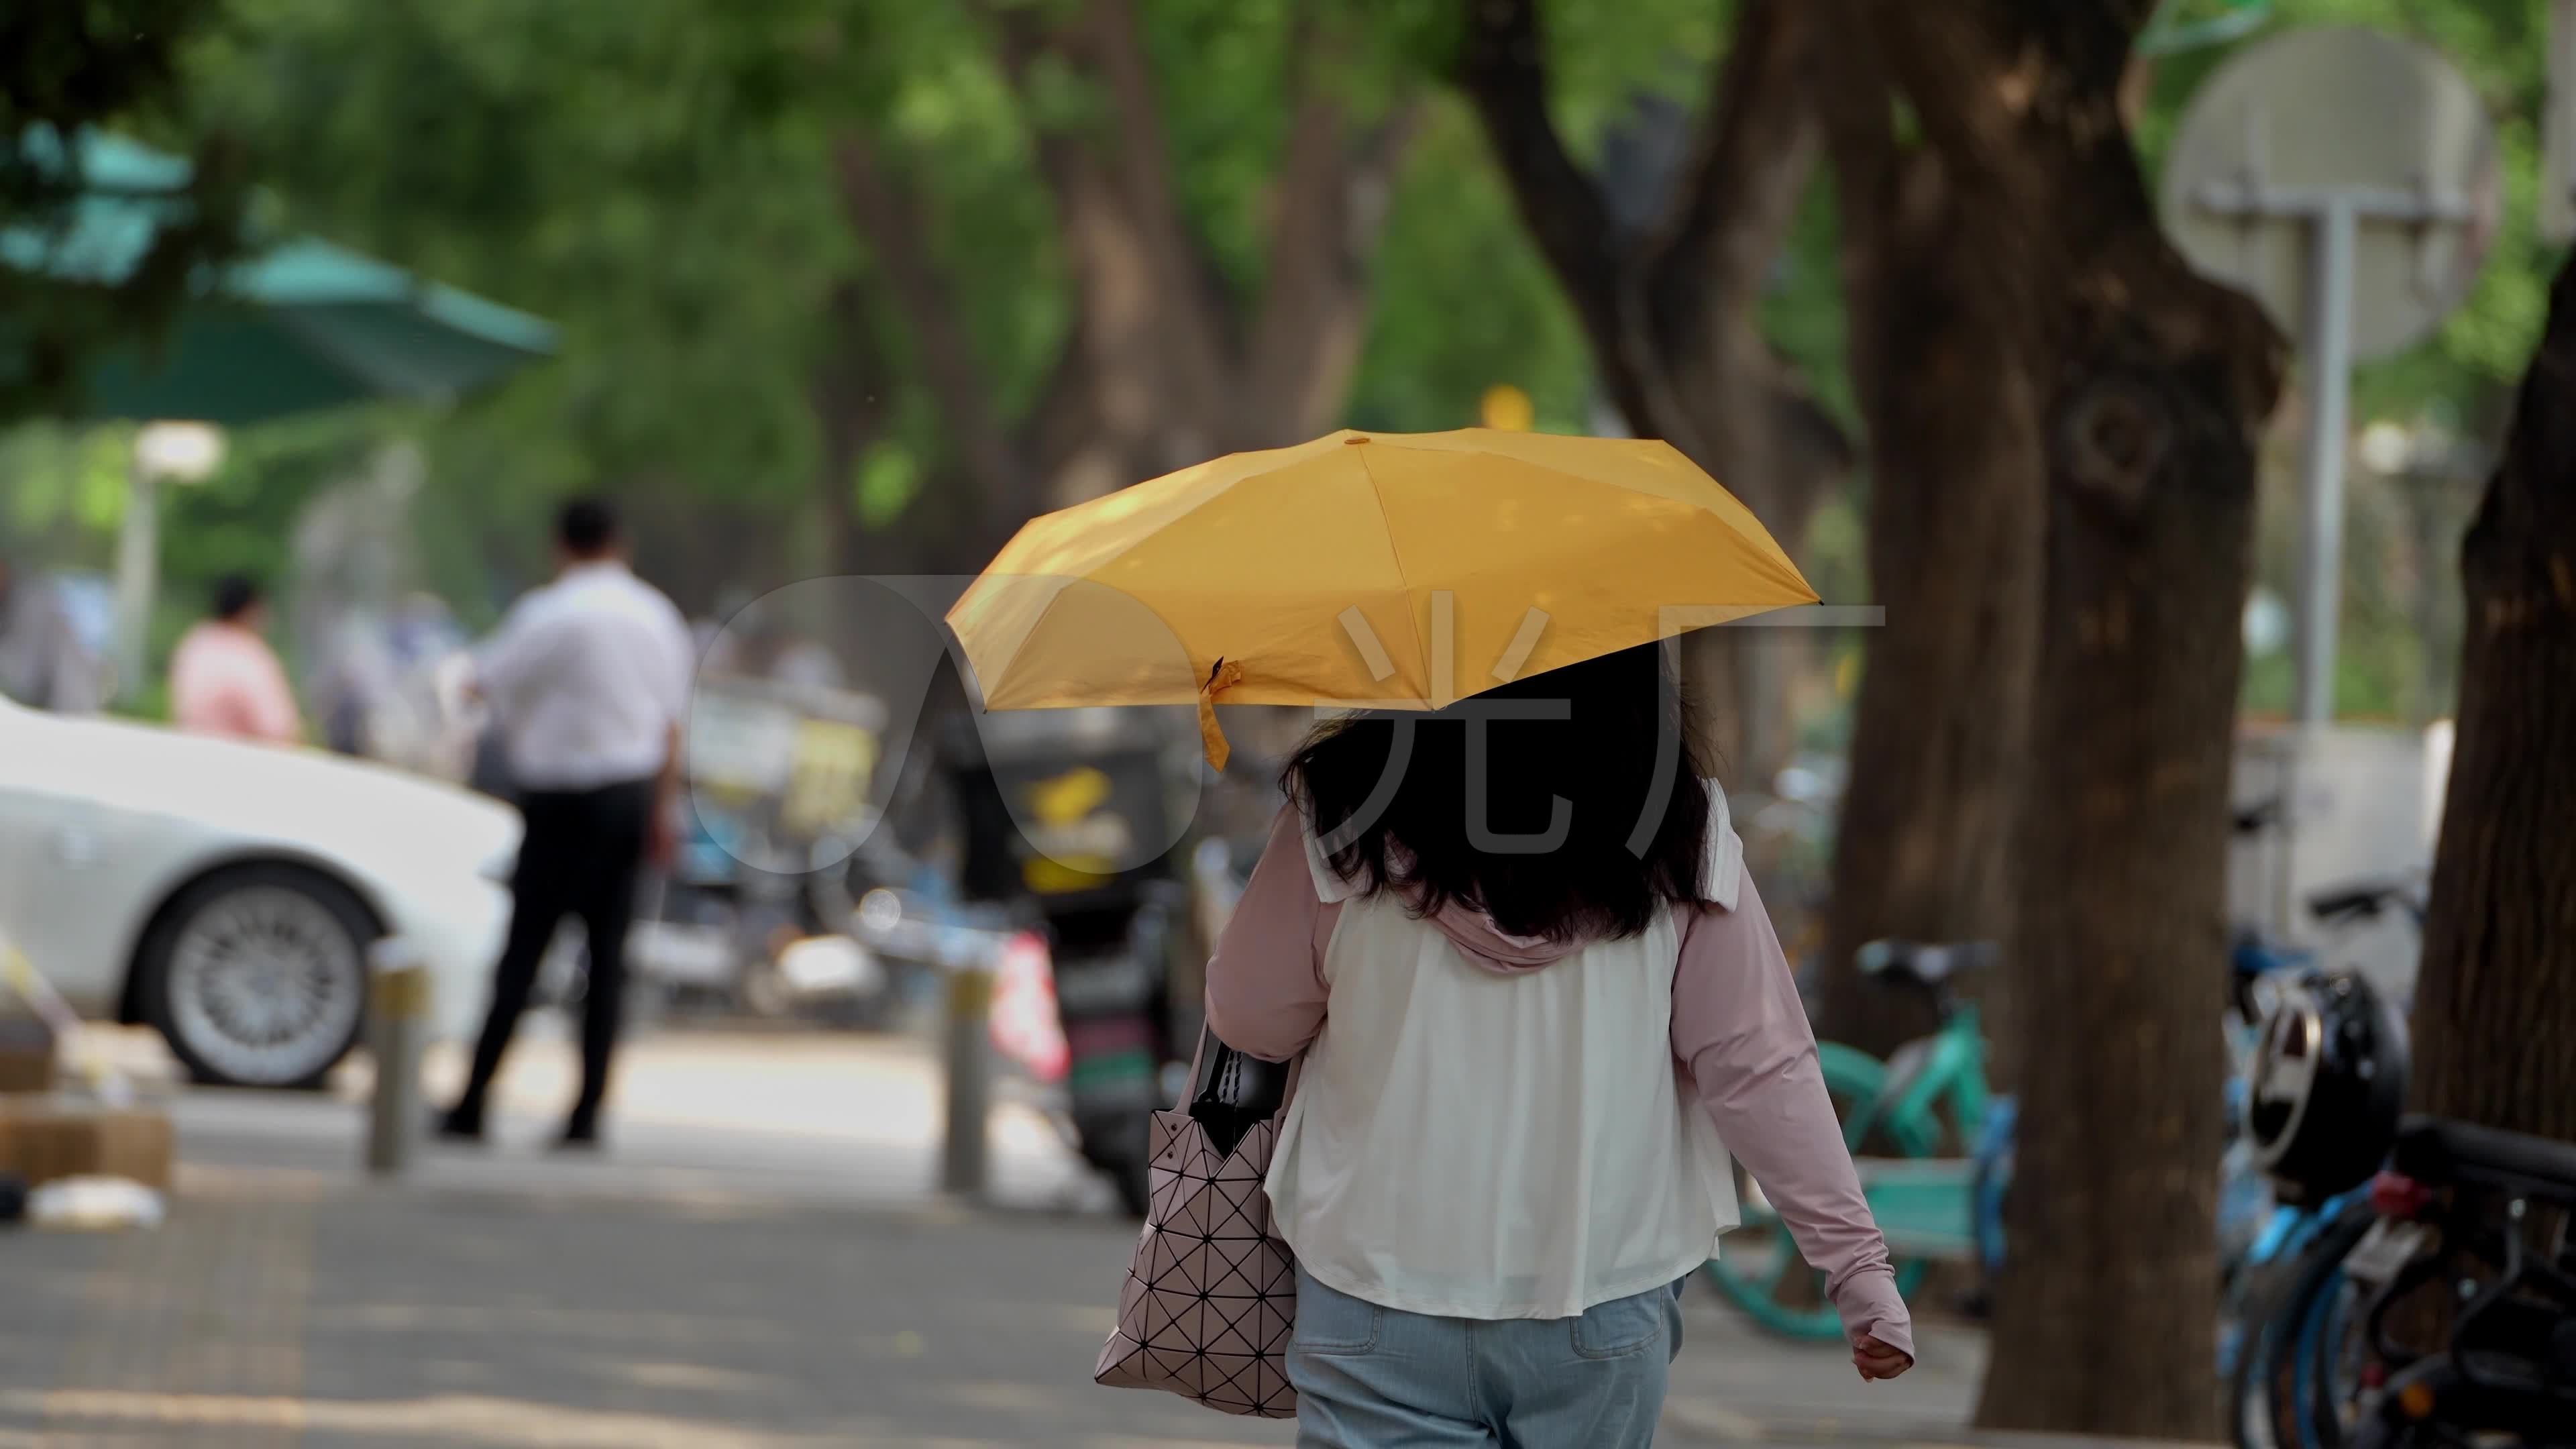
pixel 301 325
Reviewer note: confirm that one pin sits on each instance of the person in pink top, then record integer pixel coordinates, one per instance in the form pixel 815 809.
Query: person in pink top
pixel 1539 1008
pixel 225 680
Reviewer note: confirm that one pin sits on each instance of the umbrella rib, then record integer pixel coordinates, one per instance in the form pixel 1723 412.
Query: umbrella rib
pixel 1134 543
pixel 1225 488
pixel 1085 572
pixel 1403 579
pixel 1395 549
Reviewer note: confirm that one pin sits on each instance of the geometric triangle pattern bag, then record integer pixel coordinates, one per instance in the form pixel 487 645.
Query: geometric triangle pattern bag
pixel 1211 1295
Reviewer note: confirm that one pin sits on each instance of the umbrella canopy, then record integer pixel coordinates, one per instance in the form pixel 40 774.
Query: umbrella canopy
pixel 299 326
pixel 1400 571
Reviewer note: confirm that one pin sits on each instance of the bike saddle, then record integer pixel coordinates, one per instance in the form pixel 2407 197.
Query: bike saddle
pixel 2260 816
pixel 2355 900
pixel 1928 963
pixel 2437 1150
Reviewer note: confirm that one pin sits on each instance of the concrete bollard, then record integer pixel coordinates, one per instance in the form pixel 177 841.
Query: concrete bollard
pixel 397 1027
pixel 965 1157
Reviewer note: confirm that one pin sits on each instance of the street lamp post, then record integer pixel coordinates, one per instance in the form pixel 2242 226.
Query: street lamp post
pixel 181 452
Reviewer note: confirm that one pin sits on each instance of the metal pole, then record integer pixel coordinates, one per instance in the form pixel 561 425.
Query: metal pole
pixel 2275 843
pixel 2329 379
pixel 2328 364
pixel 965 1157
pixel 138 569
pixel 397 1023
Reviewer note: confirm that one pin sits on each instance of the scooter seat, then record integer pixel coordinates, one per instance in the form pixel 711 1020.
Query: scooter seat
pixel 2437 1150
pixel 1929 963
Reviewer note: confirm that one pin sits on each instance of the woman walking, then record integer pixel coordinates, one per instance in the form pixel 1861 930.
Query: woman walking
pixel 1539 1004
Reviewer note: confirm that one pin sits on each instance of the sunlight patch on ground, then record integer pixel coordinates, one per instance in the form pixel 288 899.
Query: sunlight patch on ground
pixel 518 1320
pixel 689 1378
pixel 460 1419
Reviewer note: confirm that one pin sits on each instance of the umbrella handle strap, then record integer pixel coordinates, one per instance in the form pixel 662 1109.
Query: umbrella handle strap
pixel 1222 676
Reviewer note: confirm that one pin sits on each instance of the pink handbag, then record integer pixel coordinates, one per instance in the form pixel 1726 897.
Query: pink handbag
pixel 1211 1295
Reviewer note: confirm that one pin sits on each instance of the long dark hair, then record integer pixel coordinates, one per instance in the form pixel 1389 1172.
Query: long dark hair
pixel 1623 745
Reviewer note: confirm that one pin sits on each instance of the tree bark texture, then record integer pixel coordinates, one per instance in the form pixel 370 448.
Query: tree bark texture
pixel 1670 308
pixel 1956 460
pixel 2152 383
pixel 2495 1003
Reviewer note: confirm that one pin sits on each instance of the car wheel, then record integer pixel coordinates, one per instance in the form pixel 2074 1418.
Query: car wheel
pixel 257 975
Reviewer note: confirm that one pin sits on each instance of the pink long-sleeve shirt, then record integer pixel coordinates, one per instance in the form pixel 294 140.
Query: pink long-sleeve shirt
pixel 225 680
pixel 1739 1036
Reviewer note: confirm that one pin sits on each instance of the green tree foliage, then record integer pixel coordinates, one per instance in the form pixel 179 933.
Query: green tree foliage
pixel 67 66
pixel 659 177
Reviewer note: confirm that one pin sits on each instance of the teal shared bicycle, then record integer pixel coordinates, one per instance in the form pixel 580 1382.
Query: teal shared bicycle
pixel 1898 1117
pixel 1933 1145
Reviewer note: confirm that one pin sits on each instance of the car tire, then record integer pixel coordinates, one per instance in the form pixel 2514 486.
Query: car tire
pixel 256 975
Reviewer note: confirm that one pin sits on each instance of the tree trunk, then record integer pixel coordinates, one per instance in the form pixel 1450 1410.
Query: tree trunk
pixel 1162 366
pixel 2104 1321
pixel 1956 466
pixel 847 397
pixel 2495 1004
pixel 1670 308
pixel 2152 384
pixel 884 215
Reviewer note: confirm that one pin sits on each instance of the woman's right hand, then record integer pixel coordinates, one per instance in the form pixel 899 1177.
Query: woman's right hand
pixel 1876 1360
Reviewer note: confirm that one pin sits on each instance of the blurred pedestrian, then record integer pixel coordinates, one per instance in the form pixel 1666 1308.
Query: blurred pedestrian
pixel 410 672
pixel 350 680
pixel 1527 1057
pixel 225 680
pixel 587 681
pixel 43 662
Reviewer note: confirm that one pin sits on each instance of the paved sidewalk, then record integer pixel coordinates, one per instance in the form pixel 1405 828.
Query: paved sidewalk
pixel 281 1308
pixel 756 1264
pixel 276 1311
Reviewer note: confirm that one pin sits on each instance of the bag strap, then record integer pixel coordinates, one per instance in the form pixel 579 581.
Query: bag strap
pixel 1198 1054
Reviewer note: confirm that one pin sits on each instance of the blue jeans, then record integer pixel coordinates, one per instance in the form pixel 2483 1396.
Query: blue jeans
pixel 1381 1378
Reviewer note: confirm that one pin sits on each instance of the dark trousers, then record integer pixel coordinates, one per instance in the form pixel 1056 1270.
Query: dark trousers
pixel 581 855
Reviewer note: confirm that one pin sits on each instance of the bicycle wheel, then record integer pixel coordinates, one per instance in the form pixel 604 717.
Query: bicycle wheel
pixel 1758 1268
pixel 2293 1377
pixel 2252 1303
pixel 2253 1290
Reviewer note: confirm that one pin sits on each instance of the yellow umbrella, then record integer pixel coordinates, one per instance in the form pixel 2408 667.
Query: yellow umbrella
pixel 1387 570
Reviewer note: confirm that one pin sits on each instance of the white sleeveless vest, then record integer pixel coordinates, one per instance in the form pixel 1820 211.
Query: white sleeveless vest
pixel 1474 1144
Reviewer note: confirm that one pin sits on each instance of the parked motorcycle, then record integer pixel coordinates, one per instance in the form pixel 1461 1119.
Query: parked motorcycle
pixel 754 914
pixel 2479 1215
pixel 1066 815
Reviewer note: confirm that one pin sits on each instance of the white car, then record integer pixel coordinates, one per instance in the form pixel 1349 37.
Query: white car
pixel 229 893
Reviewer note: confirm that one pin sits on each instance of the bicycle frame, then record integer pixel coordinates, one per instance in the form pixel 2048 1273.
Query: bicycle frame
pixel 1948 1065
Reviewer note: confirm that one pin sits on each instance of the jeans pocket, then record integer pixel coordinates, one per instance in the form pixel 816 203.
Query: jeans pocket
pixel 1622 1326
pixel 1330 1322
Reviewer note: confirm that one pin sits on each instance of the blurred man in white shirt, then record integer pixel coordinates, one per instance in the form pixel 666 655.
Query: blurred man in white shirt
pixel 588 679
